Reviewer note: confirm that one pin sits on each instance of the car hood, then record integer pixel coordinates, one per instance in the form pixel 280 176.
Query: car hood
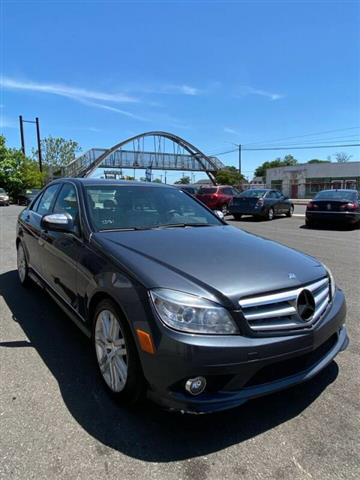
pixel 219 262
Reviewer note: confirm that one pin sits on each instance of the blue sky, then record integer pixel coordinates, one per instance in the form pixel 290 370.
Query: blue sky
pixel 211 72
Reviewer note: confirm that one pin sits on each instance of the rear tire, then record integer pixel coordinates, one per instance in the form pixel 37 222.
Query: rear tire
pixel 22 266
pixel 270 214
pixel 237 216
pixel 116 354
pixel 309 223
pixel 224 209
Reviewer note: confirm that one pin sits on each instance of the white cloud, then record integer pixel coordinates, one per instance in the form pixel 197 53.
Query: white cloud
pixel 111 109
pixel 181 89
pixel 246 90
pixel 231 130
pixel 65 91
pixel 6 122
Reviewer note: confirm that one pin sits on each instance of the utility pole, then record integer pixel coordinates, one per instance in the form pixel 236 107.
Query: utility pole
pixel 239 158
pixel 22 137
pixel 38 142
pixel 22 134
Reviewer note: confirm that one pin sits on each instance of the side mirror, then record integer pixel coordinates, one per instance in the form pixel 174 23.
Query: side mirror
pixel 219 214
pixel 58 222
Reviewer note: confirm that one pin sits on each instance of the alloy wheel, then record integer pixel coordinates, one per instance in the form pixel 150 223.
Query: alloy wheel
pixel 21 263
pixel 111 350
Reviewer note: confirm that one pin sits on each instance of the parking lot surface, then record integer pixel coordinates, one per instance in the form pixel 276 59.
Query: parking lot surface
pixel 56 421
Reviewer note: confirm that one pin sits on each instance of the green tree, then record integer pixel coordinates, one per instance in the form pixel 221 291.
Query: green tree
pixel 57 151
pixel 316 160
pixel 288 160
pixel 157 180
pixel 229 176
pixel 183 181
pixel 16 171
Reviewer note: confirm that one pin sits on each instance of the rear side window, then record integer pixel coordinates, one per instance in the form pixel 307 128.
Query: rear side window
pixel 206 191
pixel 227 191
pixel 47 200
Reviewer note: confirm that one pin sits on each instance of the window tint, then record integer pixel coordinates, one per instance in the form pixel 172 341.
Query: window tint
pixel 253 193
pixel 43 207
pixel 227 191
pixel 271 195
pixel 66 201
pixel 36 204
pixel 206 190
pixel 336 195
pixel 123 207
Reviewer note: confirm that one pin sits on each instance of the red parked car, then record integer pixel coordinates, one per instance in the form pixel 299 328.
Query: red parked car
pixel 217 197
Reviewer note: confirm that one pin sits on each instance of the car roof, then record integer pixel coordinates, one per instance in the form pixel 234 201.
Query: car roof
pixel 102 181
pixel 339 190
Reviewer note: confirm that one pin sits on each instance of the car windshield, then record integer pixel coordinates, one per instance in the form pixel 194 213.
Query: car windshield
pixel 336 195
pixel 253 193
pixel 205 191
pixel 123 207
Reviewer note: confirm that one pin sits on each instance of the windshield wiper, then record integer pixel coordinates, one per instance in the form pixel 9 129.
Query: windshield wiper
pixel 183 225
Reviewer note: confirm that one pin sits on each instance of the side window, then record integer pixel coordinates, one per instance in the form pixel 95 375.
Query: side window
pixel 36 203
pixel 227 191
pixel 66 201
pixel 47 200
pixel 278 194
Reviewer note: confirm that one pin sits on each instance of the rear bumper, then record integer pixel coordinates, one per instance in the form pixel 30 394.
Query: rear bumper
pixel 237 209
pixel 239 368
pixel 338 217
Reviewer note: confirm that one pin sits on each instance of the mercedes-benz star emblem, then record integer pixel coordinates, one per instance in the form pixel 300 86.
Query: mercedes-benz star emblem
pixel 305 305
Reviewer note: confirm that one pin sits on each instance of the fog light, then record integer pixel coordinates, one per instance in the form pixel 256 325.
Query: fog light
pixel 196 385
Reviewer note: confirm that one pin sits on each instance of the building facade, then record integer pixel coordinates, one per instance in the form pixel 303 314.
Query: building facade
pixel 305 180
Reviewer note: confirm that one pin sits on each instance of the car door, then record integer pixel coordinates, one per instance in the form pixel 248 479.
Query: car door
pixel 280 204
pixel 31 222
pixel 61 250
pixel 271 201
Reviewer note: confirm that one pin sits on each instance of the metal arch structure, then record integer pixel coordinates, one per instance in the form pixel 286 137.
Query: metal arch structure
pixel 185 157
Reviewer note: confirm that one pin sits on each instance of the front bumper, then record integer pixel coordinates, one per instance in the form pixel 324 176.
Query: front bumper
pixel 239 368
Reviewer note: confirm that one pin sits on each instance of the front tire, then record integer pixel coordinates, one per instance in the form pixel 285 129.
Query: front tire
pixel 224 209
pixel 116 355
pixel 22 265
pixel 237 216
pixel 290 212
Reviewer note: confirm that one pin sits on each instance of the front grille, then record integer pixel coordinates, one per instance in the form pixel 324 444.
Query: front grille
pixel 278 310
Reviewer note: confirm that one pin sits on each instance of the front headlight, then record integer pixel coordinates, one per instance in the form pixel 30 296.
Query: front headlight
pixel 332 282
pixel 191 314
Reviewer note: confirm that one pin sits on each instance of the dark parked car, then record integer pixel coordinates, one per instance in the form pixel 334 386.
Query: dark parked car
pixel 334 206
pixel 192 189
pixel 26 197
pixel 217 197
pixel 4 197
pixel 261 203
pixel 197 327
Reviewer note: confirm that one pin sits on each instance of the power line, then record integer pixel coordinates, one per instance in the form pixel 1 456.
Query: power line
pixel 305 135
pixel 308 147
pixel 350 138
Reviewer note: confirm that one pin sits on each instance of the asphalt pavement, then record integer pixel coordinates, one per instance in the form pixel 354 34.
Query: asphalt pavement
pixel 57 422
